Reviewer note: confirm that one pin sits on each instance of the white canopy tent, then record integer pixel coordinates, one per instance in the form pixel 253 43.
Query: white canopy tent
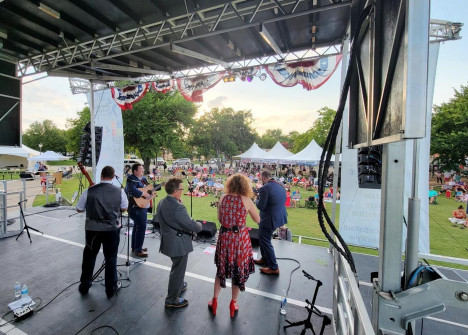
pixel 278 154
pixel 48 156
pixel 16 156
pixel 310 155
pixel 253 154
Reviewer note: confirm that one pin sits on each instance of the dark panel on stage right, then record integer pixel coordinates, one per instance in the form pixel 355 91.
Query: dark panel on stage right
pixel 10 110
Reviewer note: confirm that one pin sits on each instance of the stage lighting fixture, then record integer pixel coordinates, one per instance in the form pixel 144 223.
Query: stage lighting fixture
pixel 229 78
pixel 262 77
pixel 249 78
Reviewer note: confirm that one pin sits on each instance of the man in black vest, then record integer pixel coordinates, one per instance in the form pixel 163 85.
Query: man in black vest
pixel 103 204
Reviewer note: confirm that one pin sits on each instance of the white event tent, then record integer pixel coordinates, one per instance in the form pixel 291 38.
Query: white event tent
pixel 16 156
pixel 310 155
pixel 253 154
pixel 48 156
pixel 278 154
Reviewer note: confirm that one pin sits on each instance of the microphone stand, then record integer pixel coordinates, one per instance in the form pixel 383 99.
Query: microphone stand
pixel 128 262
pixel 190 188
pixel 25 224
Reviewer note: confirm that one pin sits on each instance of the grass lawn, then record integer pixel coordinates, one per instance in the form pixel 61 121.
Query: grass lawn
pixel 445 239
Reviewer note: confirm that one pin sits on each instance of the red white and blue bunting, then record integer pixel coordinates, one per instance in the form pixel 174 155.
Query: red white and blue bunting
pixel 311 75
pixel 192 89
pixel 163 86
pixel 127 96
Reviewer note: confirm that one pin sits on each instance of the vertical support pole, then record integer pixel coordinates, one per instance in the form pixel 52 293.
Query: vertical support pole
pixel 391 226
pixel 93 134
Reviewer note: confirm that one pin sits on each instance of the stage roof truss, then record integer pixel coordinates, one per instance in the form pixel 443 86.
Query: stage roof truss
pixel 165 37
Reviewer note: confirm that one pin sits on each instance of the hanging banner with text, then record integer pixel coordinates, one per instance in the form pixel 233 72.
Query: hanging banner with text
pixel 107 114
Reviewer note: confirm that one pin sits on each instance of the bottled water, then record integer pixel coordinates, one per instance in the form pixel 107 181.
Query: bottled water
pixel 17 290
pixel 283 303
pixel 24 292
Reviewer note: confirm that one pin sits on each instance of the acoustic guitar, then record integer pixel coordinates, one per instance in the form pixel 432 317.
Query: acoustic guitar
pixel 150 189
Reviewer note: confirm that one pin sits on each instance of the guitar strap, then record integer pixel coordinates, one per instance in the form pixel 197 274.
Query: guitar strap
pixel 179 231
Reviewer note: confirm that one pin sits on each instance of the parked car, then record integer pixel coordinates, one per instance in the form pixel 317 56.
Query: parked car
pixel 181 161
pixel 160 161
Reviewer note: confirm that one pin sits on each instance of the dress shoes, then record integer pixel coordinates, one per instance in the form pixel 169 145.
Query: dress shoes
pixel 117 286
pixel 141 254
pixel 84 288
pixel 260 261
pixel 177 304
pixel 142 249
pixel 269 271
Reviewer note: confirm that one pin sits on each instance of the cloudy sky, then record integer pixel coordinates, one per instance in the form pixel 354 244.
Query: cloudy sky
pixel 272 106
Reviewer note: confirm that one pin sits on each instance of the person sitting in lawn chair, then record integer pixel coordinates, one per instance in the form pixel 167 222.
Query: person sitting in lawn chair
pixel 433 196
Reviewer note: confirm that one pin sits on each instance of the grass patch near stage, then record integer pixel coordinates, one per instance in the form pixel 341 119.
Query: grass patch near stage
pixel 445 238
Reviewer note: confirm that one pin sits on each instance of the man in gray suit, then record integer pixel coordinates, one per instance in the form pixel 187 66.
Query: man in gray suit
pixel 176 243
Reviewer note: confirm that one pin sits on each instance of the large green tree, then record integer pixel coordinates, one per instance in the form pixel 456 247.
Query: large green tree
pixel 223 131
pixel 47 133
pixel 75 130
pixel 318 132
pixel 449 133
pixel 157 122
pixel 271 136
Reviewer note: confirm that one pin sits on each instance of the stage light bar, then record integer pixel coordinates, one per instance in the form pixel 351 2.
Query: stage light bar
pixel 48 10
pixel 269 39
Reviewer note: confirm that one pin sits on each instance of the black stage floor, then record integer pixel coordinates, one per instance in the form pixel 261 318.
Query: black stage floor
pixel 52 262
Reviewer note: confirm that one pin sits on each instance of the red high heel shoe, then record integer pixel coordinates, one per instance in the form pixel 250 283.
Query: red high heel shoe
pixel 212 305
pixel 234 308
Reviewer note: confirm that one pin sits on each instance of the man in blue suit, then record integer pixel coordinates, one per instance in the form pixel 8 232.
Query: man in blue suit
pixel 271 203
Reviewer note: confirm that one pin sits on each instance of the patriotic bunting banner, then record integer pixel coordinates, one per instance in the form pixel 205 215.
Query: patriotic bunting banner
pixel 126 97
pixel 192 89
pixel 311 75
pixel 163 86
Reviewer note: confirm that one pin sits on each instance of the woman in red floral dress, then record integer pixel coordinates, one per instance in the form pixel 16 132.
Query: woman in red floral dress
pixel 234 258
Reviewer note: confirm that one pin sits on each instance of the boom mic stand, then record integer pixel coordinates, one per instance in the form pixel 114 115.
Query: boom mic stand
pixel 25 224
pixel 128 262
pixel 312 309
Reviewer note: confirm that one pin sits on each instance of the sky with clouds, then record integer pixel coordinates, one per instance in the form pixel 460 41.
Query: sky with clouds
pixel 272 106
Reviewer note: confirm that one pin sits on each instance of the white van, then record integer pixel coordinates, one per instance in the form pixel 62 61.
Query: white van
pixel 129 162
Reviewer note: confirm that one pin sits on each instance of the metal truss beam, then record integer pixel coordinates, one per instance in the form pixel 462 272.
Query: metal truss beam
pixel 291 57
pixel 150 36
pixel 441 31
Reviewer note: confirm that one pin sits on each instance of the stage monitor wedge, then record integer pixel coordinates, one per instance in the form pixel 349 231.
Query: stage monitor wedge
pixel 387 96
pixel 10 105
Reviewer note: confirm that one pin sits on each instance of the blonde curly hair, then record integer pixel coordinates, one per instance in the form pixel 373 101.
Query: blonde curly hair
pixel 239 184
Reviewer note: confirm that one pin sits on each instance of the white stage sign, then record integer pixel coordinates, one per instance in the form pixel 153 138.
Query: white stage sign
pixel 107 114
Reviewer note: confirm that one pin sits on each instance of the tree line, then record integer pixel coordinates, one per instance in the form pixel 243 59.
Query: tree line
pixel 167 122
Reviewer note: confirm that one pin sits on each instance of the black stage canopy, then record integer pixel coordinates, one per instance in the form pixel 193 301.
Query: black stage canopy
pixel 113 40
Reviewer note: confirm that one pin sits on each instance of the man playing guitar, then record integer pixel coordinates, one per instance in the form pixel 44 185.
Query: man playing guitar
pixel 136 182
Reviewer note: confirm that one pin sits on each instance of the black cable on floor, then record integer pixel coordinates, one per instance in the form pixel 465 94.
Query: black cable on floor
pixel 7 322
pixel 92 331
pixel 97 317
pixel 40 309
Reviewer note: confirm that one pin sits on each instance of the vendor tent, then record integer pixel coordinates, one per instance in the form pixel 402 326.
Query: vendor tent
pixel 48 156
pixel 310 155
pixel 16 157
pixel 278 154
pixel 253 154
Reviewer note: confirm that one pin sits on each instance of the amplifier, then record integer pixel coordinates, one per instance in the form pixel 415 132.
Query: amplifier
pixel 208 229
pixel 253 233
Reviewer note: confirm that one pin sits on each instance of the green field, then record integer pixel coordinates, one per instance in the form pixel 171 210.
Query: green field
pixel 445 239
